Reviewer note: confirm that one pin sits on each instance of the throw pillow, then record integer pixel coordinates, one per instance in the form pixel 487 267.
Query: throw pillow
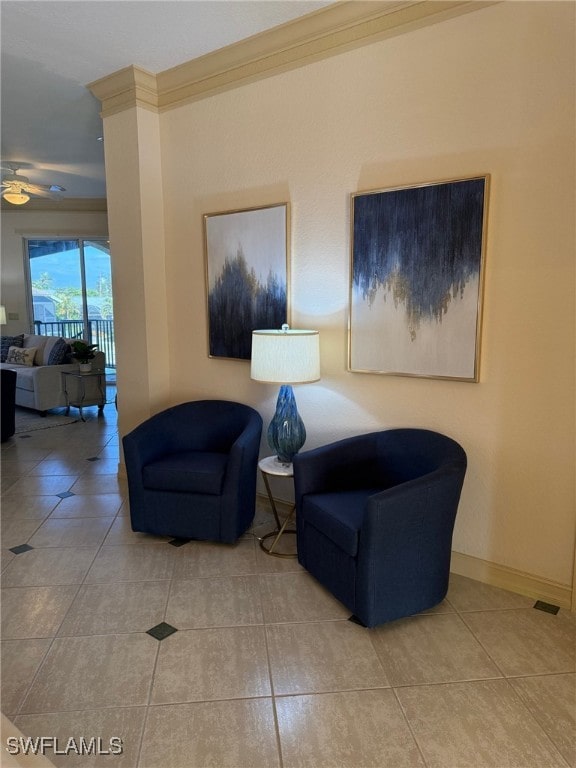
pixel 39 344
pixel 7 342
pixel 58 353
pixel 20 356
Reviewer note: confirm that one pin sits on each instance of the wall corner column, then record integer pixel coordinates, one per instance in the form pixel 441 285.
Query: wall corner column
pixel 137 243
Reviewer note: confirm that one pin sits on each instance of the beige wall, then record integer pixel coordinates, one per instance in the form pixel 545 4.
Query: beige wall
pixel 490 92
pixel 135 205
pixel 16 225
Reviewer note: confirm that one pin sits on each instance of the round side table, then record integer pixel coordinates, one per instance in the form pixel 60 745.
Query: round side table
pixel 271 466
pixel 80 397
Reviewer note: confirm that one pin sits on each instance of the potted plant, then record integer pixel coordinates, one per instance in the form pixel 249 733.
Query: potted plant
pixel 84 353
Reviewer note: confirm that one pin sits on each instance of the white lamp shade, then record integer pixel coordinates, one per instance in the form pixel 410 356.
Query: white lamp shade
pixel 285 356
pixel 2 315
pixel 16 198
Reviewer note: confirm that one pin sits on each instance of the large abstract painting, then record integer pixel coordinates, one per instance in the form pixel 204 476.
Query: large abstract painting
pixel 416 279
pixel 247 276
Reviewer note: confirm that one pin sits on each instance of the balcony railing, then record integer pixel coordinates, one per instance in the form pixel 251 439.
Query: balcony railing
pixel 100 332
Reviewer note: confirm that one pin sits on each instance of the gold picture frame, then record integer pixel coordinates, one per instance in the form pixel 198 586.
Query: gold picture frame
pixel 247 276
pixel 417 279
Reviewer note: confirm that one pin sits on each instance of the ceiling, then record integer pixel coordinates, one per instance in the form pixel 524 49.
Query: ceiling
pixel 50 50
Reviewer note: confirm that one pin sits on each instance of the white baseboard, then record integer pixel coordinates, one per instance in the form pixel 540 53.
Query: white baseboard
pixel 509 578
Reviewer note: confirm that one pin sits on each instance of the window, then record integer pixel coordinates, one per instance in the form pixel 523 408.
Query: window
pixel 70 291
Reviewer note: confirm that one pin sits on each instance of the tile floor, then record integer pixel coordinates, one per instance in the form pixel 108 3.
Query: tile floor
pixel 264 669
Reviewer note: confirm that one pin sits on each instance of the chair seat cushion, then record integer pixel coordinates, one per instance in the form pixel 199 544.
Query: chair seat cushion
pixel 187 472
pixel 338 515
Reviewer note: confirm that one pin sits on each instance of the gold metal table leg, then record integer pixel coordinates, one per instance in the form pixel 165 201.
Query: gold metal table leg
pixel 281 528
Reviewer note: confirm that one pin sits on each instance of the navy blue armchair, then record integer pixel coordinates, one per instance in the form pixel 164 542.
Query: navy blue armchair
pixel 8 410
pixel 375 515
pixel 192 470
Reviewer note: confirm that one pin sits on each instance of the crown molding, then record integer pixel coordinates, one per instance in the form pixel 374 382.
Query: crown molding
pixel 332 30
pixel 129 87
pixel 64 205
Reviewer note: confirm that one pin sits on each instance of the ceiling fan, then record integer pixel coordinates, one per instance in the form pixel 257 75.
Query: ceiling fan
pixel 17 189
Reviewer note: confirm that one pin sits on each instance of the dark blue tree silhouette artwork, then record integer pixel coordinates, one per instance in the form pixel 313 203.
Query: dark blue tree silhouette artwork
pixel 421 244
pixel 239 303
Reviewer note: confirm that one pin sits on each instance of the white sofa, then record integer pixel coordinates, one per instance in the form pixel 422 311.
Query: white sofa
pixel 41 386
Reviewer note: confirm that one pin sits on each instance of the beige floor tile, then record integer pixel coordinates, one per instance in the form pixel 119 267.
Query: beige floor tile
pixel 216 734
pixel 199 559
pixel 430 648
pixel 101 467
pixel 42 485
pixel 105 505
pixel 329 691
pixel 93 672
pixel 49 566
pixel 8 481
pixel 297 597
pixel 325 656
pixel 6 557
pixel 27 450
pixel 29 508
pixel 17 466
pixel 109 452
pixel 16 531
pixel 71 532
pixel 552 701
pixel 443 607
pixel 29 612
pixel 121 533
pixel 77 450
pixel 101 484
pixel 20 662
pixel 209 664
pixel 526 641
pixel 100 609
pixel 268 564
pixel 468 595
pixel 124 509
pixel 42 440
pixel 132 564
pixel 70 465
pixel 476 725
pixel 124 723
pixel 223 601
pixel 286 545
pixel 355 729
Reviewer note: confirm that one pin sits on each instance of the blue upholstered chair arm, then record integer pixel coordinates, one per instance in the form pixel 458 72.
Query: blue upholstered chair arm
pixel 405 546
pixel 244 449
pixel 145 443
pixel 414 505
pixel 348 463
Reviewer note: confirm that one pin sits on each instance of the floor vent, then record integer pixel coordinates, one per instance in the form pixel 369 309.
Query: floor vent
pixel 547 607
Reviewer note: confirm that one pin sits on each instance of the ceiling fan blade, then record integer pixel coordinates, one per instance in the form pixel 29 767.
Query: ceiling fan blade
pixel 38 192
pixel 43 189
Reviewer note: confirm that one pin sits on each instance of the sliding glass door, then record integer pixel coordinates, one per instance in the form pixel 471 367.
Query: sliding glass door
pixel 70 290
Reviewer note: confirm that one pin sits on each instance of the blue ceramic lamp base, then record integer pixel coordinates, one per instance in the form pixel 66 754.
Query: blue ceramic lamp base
pixel 286 433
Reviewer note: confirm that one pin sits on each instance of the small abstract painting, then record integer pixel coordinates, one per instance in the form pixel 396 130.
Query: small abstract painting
pixel 247 276
pixel 416 279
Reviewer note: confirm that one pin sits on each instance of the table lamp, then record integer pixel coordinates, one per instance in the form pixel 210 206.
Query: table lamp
pixel 286 357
